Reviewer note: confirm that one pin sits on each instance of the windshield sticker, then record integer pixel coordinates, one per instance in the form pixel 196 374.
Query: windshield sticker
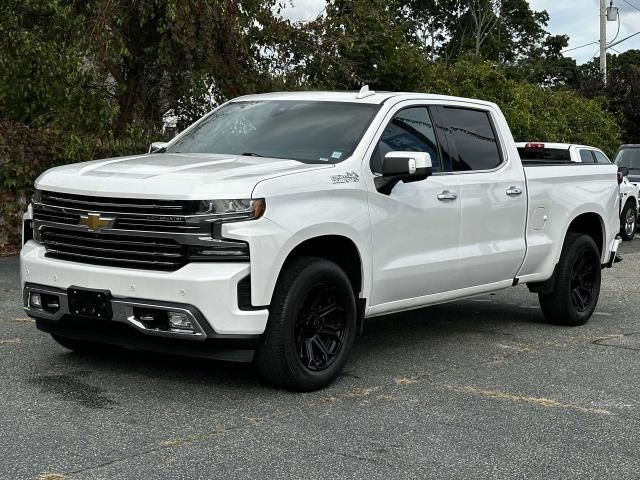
pixel 323 159
pixel 336 155
pixel 349 177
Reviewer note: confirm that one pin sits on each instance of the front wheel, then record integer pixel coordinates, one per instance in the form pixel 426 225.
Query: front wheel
pixel 628 221
pixel 311 329
pixel 577 284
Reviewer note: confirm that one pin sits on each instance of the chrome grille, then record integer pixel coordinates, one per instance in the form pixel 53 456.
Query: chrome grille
pixel 135 233
pixel 117 250
pixel 115 205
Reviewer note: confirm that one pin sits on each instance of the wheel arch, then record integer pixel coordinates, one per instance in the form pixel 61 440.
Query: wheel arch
pixel 339 249
pixel 589 223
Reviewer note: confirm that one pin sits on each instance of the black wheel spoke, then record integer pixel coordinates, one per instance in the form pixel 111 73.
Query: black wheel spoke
pixel 320 327
pixel 322 313
pixel 583 282
pixel 330 331
pixel 309 353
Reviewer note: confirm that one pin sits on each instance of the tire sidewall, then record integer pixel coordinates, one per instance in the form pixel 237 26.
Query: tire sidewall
pixel 313 274
pixel 623 222
pixel 582 245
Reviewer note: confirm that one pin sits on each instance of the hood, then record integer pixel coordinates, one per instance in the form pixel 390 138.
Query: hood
pixel 171 176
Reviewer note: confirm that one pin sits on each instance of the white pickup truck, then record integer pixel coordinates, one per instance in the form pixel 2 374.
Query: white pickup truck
pixel 567 152
pixel 273 227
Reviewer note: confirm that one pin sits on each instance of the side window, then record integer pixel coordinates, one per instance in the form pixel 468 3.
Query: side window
pixel 410 130
pixel 586 156
pixel 601 157
pixel 475 144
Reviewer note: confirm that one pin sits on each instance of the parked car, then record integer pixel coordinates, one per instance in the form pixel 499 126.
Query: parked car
pixel 565 152
pixel 274 226
pixel 628 157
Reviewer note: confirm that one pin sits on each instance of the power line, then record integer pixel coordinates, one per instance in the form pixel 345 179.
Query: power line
pixel 631 5
pixel 577 48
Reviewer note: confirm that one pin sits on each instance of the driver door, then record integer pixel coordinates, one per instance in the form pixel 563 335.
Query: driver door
pixel 415 229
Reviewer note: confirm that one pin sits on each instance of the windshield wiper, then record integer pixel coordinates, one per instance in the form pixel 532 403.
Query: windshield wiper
pixel 251 154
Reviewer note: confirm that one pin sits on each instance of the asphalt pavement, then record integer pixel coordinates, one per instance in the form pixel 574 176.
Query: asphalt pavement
pixel 482 388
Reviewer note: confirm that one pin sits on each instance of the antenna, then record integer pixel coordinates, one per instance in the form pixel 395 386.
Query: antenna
pixel 365 92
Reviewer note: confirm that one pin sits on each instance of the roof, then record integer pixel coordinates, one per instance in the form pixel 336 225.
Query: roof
pixel 352 96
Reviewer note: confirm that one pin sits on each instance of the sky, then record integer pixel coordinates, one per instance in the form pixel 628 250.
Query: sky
pixel 579 19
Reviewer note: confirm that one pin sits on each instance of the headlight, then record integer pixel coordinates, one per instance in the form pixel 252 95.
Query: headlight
pixel 219 212
pixel 240 209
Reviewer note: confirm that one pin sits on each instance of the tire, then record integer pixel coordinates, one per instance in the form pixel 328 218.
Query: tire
pixel 577 284
pixel 302 350
pixel 83 346
pixel 628 221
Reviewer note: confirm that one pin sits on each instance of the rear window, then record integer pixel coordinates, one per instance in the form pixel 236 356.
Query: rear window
pixel 559 155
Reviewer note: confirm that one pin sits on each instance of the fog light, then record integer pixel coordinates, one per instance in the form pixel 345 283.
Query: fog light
pixel 34 300
pixel 179 321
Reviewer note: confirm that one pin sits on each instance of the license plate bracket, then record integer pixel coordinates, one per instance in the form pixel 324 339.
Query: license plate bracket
pixel 89 303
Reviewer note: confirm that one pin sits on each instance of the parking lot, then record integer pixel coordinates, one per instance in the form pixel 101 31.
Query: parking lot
pixel 478 389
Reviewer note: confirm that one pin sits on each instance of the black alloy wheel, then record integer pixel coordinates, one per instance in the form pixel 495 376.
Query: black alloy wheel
pixel 320 328
pixel 311 327
pixel 576 283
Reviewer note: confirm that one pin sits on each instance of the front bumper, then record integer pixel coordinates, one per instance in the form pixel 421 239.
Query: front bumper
pixel 210 289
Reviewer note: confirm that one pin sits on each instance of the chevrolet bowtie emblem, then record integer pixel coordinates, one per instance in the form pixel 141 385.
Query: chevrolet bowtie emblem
pixel 95 222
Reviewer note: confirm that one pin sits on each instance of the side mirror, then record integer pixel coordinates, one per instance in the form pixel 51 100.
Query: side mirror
pixel 403 166
pixel 155 146
pixel 624 171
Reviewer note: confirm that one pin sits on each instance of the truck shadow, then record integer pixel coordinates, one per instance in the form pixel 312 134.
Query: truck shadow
pixel 406 340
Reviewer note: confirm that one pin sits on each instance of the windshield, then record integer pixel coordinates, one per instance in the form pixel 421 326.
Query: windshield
pixel 628 157
pixel 310 132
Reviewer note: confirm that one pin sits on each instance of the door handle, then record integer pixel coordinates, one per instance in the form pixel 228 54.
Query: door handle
pixel 447 195
pixel 514 191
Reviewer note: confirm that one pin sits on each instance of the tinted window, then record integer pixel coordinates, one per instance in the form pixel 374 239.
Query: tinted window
pixel 312 132
pixel 476 147
pixel 601 157
pixel 629 157
pixel 560 155
pixel 410 130
pixel 586 156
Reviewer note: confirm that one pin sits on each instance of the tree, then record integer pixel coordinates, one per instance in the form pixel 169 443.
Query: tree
pixel 534 113
pixel 360 42
pixel 156 54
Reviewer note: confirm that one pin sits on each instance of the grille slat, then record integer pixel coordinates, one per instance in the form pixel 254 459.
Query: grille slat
pixel 58 217
pixel 122 242
pixel 110 249
pixel 111 205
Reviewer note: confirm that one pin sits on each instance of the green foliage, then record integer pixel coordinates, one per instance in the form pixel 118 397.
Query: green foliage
pixel 534 113
pixel 621 93
pixel 85 79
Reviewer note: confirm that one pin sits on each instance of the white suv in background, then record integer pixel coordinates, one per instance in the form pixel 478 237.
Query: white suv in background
pixel 532 152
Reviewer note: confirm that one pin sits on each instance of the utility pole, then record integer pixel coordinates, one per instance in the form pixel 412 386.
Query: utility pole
pixel 603 40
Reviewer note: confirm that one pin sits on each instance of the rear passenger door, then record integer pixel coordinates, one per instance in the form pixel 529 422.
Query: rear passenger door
pixel 493 197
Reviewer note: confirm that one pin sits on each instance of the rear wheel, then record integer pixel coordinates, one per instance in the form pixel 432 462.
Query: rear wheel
pixel 311 329
pixel 577 284
pixel 628 221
